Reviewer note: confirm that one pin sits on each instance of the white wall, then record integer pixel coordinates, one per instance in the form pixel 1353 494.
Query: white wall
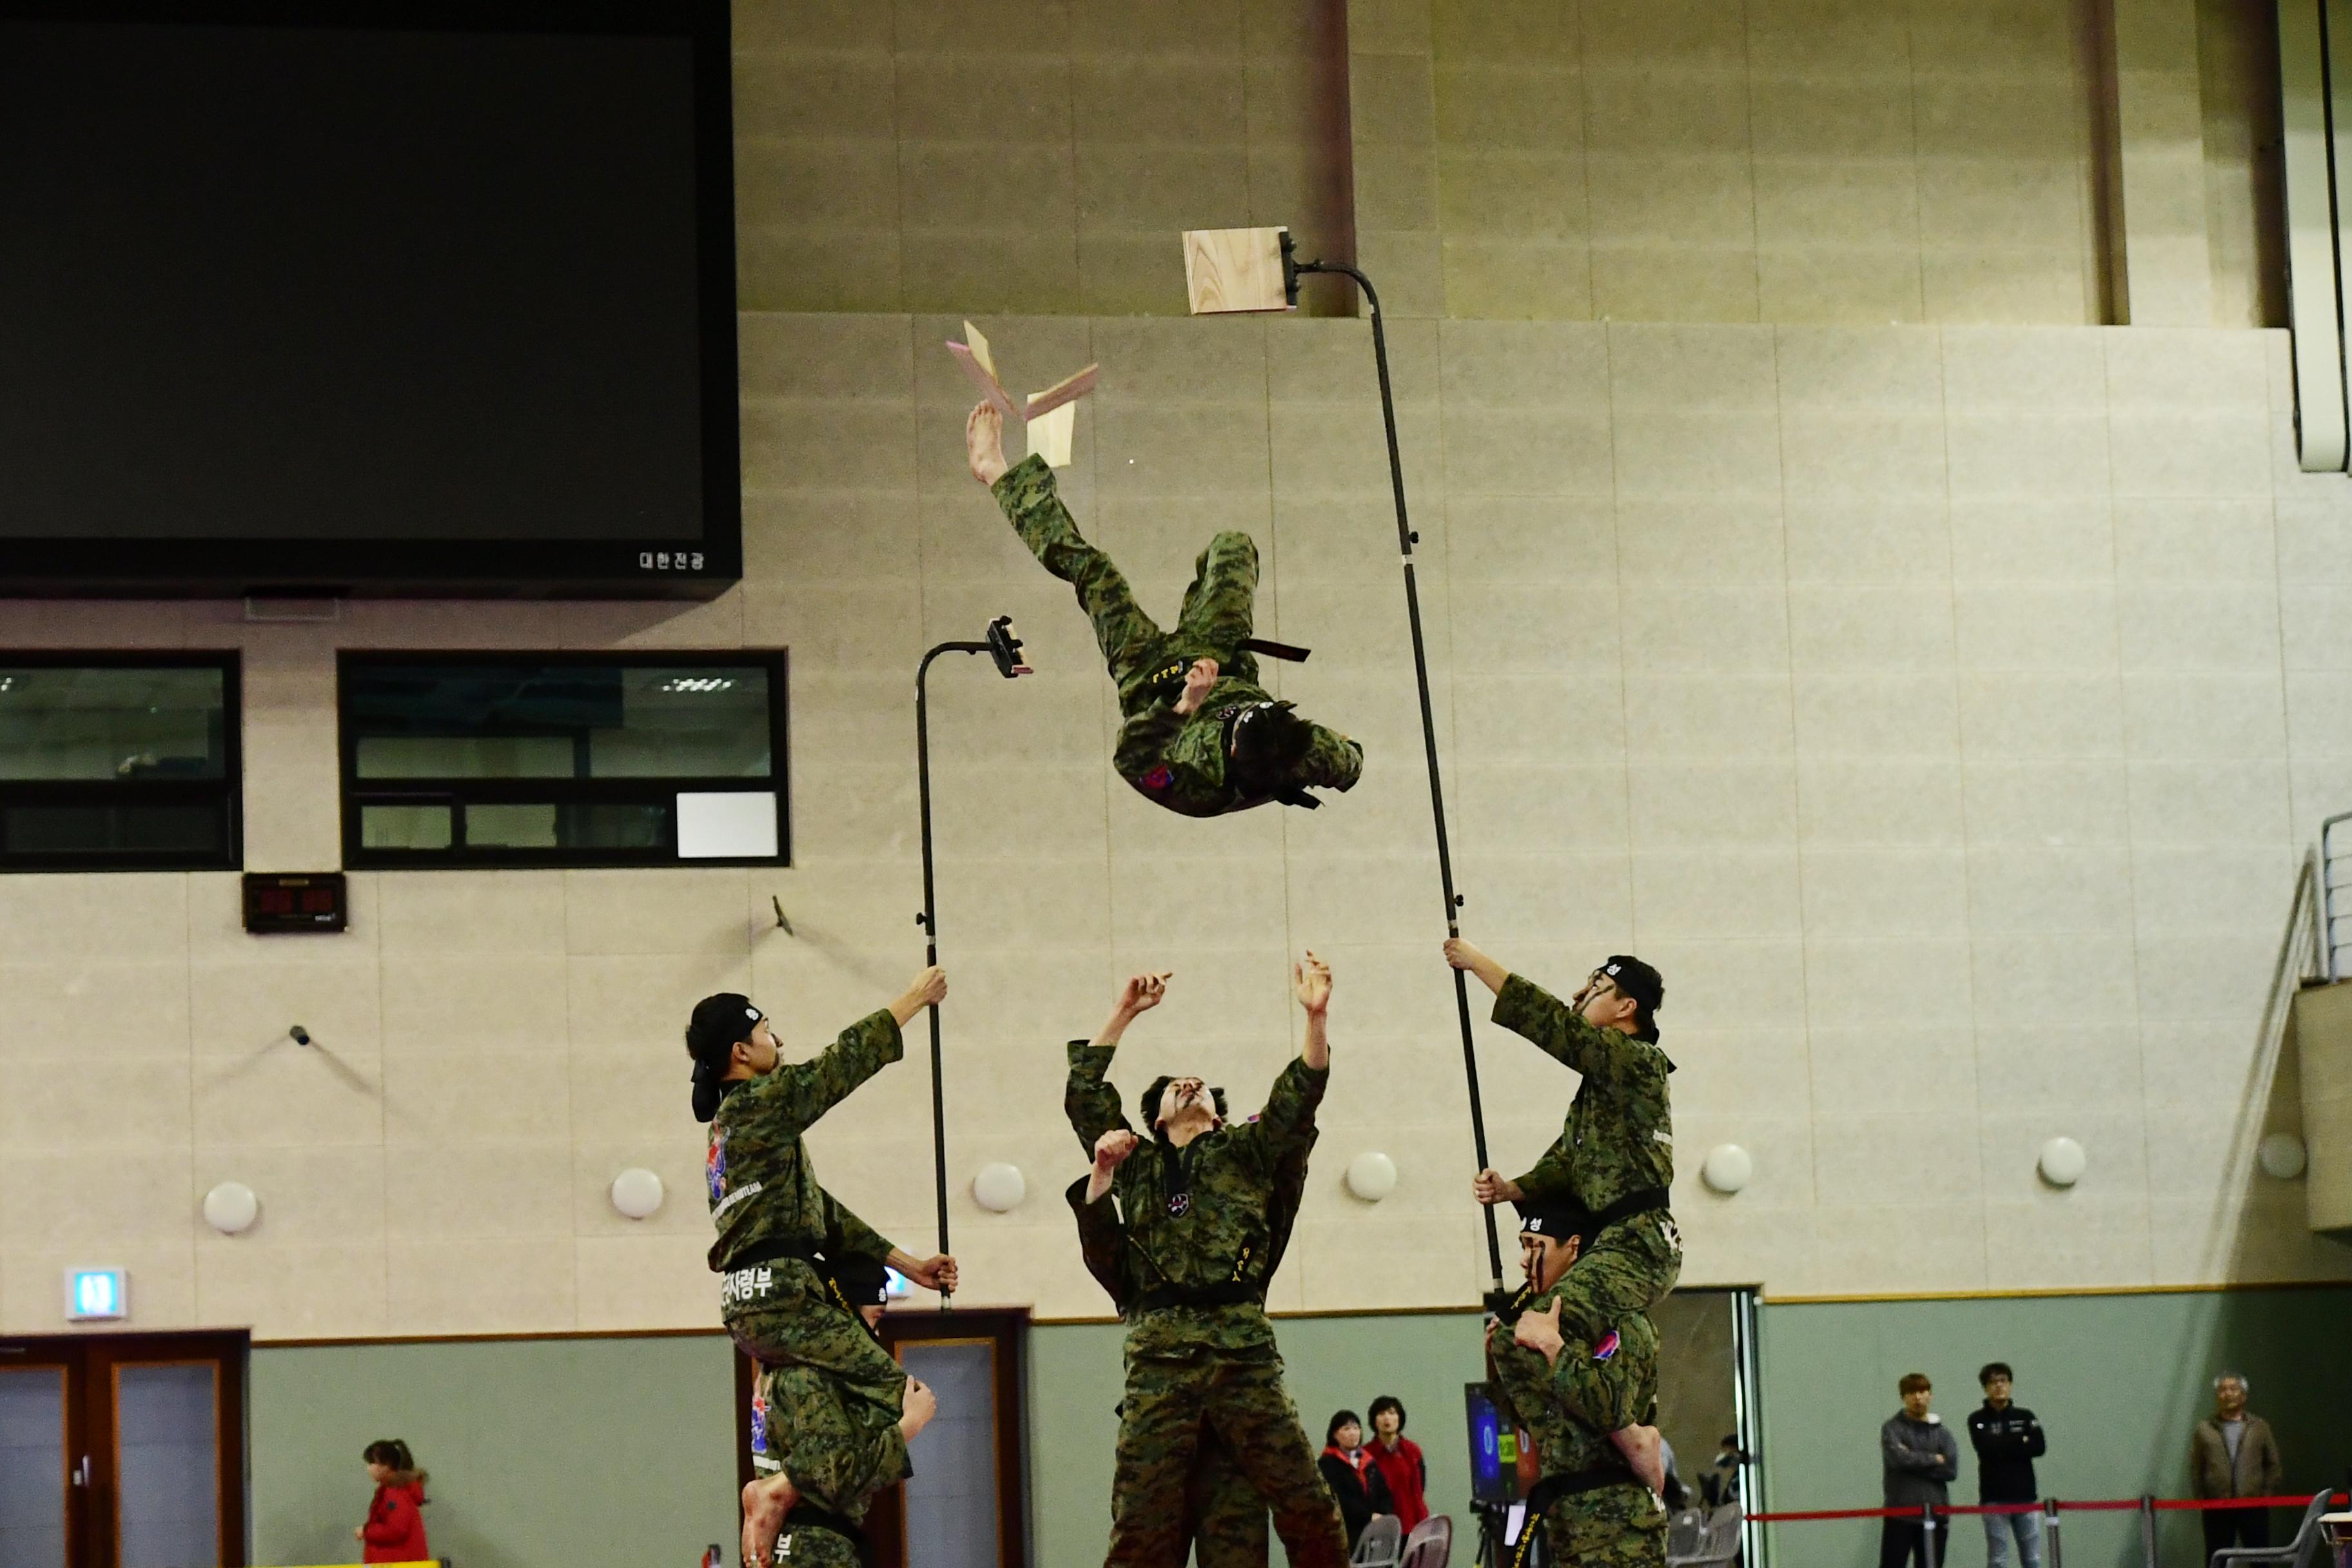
pixel 1926 703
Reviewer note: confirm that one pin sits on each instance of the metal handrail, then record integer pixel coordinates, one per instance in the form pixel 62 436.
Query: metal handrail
pixel 2328 856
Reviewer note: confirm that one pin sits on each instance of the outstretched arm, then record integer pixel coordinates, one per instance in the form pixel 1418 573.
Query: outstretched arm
pixel 802 1092
pixel 1091 1104
pixel 1288 1118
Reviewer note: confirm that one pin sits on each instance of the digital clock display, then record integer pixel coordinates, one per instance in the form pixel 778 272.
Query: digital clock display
pixel 288 901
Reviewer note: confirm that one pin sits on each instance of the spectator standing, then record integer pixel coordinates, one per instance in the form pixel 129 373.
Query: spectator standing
pixel 2233 1454
pixel 394 1531
pixel 2007 1440
pixel 1399 1460
pixel 1921 1458
pixel 1721 1485
pixel 1355 1482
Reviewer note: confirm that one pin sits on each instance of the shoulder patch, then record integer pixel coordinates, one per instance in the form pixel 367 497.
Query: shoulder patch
pixel 1158 778
pixel 1607 1347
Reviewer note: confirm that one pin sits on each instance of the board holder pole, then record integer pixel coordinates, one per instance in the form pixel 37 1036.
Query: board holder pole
pixel 1257 269
pixel 1000 644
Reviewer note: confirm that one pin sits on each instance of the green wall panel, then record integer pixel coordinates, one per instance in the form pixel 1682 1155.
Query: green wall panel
pixel 542 1451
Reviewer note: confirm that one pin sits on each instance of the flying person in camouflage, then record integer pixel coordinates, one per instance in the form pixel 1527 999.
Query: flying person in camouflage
pixel 1199 1202
pixel 779 1231
pixel 1226 1519
pixel 1201 736
pixel 839 1461
pixel 1571 1391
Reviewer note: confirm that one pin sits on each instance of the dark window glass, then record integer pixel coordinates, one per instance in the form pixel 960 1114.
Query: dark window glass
pixel 116 762
pixel 575 760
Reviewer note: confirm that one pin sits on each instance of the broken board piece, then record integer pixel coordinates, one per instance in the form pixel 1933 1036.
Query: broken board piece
pixel 1050 433
pixel 1068 390
pixel 973 355
pixel 1229 269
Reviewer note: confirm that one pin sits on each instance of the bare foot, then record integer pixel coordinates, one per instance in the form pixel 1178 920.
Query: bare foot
pixel 983 443
pixel 916 1412
pixel 1641 1450
pixel 765 1503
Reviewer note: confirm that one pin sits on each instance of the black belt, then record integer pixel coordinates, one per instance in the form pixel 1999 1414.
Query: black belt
pixel 1632 1204
pixel 808 1516
pixel 1287 652
pixel 1233 1293
pixel 808 1252
pixel 1552 1490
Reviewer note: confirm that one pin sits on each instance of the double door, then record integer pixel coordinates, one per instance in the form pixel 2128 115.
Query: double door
pixel 122 1451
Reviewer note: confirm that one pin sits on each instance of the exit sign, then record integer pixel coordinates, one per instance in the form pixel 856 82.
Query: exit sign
pixel 96 1294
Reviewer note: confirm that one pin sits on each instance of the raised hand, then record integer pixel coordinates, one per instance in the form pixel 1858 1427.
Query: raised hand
pixel 1311 978
pixel 1144 991
pixel 929 988
pixel 1491 1186
pixel 1113 1148
pixel 983 443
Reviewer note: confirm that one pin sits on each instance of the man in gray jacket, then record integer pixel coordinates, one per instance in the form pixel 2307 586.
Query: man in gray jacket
pixel 2233 1454
pixel 1922 1458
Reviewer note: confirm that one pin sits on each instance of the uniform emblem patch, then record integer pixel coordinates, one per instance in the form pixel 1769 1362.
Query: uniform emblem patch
pixel 714 1165
pixel 1607 1347
pixel 1180 1206
pixel 759 1421
pixel 1159 778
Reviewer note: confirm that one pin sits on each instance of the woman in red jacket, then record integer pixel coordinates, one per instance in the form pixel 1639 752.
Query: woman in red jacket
pixel 394 1531
pixel 1398 1458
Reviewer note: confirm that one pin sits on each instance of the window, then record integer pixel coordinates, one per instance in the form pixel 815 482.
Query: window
pixel 118 763
pixel 471 760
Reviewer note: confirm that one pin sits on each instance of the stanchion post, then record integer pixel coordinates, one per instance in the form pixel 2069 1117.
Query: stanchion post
pixel 2049 1534
pixel 2147 1529
pixel 1928 1555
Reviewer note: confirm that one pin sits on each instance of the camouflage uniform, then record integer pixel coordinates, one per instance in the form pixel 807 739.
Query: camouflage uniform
pixel 1617 1142
pixel 1225 1515
pixel 1602 1382
pixel 838 1462
pixel 1172 759
pixel 1201 1356
pixel 764 1198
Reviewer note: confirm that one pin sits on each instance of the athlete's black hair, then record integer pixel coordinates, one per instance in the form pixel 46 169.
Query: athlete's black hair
pixel 1149 1105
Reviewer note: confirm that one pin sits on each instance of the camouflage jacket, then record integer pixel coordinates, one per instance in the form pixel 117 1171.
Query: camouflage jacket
pixel 1203 1216
pixel 1102 1238
pixel 763 1188
pixel 1620 1135
pixel 1569 1408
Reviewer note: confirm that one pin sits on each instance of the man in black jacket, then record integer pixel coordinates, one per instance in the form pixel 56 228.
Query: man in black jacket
pixel 2007 1440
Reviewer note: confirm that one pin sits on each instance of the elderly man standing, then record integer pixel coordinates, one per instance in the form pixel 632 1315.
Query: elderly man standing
pixel 1198 1199
pixel 2233 1454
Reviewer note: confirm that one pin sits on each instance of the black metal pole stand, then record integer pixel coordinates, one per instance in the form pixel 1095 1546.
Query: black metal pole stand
pixel 1006 648
pixel 1406 540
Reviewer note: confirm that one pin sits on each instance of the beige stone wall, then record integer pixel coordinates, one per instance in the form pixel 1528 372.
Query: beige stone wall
pixel 1925 702
pixel 1026 154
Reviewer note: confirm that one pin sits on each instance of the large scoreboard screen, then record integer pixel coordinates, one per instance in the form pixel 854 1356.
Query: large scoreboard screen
pixel 367 298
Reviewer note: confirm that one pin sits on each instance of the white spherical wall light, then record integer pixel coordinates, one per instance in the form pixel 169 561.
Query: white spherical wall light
pixel 999 1188
pixel 2063 1162
pixel 2282 1156
pixel 1372 1176
pixel 638 1192
pixel 231 1208
pixel 1728 1168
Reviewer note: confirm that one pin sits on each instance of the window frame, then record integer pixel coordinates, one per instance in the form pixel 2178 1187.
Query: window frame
pixel 228 789
pixel 356 793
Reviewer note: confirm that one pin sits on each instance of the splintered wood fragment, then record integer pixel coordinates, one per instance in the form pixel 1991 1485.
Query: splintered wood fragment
pixel 1050 433
pixel 1069 389
pixel 973 357
pixel 1230 269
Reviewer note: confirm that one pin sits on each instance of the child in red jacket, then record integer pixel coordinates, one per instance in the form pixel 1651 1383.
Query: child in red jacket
pixel 394 1531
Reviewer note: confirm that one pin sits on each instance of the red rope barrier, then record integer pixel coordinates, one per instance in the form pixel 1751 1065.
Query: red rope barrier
pixel 2099 1505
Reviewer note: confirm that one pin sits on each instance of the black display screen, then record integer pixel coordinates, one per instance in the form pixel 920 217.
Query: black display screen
pixel 403 299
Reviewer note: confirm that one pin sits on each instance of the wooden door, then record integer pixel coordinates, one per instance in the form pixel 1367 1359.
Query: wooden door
pixel 150 1435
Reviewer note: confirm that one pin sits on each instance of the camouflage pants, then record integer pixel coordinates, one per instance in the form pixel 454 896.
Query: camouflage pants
pixel 1616 1527
pixel 806 1546
pixel 1227 1517
pixel 1628 1267
pixel 1172 1404
pixel 838 1458
pixel 795 1324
